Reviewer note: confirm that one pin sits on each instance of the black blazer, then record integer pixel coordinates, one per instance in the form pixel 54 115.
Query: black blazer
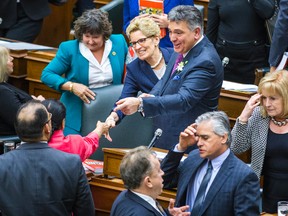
pixel 35 10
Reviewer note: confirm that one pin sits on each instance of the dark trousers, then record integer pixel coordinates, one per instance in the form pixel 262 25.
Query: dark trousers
pixel 243 60
pixel 24 29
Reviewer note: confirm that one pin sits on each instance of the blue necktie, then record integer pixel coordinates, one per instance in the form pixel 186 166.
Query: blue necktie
pixel 201 192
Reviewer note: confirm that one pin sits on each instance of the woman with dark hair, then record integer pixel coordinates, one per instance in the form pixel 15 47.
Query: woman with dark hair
pixel 95 59
pixel 75 144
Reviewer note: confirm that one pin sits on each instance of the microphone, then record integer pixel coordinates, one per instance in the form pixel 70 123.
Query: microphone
pixel 156 136
pixel 225 61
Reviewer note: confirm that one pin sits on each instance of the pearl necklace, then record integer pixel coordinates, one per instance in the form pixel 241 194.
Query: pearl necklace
pixel 158 62
pixel 279 123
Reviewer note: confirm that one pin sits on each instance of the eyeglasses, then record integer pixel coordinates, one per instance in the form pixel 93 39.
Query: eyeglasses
pixel 49 118
pixel 141 41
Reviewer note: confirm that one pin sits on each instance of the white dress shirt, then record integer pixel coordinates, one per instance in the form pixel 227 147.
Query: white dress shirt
pixel 100 74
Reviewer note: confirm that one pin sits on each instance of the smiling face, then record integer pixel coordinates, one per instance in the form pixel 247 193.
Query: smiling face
pixel 272 102
pixel 182 37
pixel 210 145
pixel 144 46
pixel 93 42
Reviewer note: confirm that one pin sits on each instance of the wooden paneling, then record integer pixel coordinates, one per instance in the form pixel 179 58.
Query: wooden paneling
pixel 100 3
pixel 56 27
pixel 205 4
pixel 36 62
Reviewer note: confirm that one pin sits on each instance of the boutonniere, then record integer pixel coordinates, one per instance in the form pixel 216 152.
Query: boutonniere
pixel 180 66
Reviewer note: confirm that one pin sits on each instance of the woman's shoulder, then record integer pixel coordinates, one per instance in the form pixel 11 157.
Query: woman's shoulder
pixel 167 52
pixel 116 37
pixel 69 44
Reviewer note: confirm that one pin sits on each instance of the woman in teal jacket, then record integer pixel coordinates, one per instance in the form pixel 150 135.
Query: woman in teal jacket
pixel 95 59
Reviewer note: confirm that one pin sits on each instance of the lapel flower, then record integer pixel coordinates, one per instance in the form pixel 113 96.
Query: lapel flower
pixel 181 66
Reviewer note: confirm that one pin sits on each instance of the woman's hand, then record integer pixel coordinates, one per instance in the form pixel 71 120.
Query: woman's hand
pixel 83 92
pixel 39 97
pixel 252 103
pixel 103 129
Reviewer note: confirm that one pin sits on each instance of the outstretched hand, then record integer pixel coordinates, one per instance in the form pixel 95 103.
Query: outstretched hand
pixel 177 211
pixel 103 129
pixel 127 105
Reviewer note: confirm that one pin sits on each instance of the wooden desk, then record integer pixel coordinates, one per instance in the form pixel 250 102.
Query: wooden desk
pixel 105 191
pixel 36 62
pixel 232 103
pixel 113 157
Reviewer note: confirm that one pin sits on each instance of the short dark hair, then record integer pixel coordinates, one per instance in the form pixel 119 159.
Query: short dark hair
pixel 135 166
pixel 94 21
pixel 58 111
pixel 30 120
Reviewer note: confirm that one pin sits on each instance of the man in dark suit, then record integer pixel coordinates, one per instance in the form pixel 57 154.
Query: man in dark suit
pixel 190 86
pixel 232 188
pixel 22 19
pixel 142 176
pixel 280 36
pixel 37 180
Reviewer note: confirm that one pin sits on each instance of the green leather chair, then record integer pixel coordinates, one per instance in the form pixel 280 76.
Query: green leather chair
pixel 133 130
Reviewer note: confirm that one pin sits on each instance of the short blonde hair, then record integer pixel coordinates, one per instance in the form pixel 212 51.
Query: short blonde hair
pixel 275 82
pixel 146 25
pixel 4 55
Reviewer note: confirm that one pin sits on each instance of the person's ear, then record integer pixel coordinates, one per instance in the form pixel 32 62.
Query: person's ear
pixel 197 31
pixel 156 41
pixel 224 139
pixel 62 124
pixel 147 182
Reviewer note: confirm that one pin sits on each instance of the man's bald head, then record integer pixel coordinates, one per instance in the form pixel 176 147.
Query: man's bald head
pixel 30 121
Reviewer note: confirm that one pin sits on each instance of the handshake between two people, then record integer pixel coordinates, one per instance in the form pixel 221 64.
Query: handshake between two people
pixel 102 128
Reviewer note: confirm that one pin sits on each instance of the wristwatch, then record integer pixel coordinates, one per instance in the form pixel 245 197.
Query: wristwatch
pixel 140 107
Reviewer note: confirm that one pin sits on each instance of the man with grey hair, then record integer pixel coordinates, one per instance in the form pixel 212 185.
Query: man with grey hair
pixel 212 180
pixel 191 84
pixel 142 176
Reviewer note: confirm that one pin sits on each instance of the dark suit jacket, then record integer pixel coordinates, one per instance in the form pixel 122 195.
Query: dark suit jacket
pixel 37 180
pixel 141 77
pixel 234 191
pixel 129 204
pixel 280 35
pixel 34 9
pixel 180 99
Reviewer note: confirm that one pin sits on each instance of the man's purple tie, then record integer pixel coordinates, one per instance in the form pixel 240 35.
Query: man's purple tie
pixel 178 60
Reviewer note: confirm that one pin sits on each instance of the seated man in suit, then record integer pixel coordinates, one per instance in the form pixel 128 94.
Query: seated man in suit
pixel 212 180
pixel 141 173
pixel 38 180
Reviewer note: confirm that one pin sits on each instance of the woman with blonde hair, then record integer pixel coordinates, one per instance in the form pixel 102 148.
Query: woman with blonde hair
pixel 11 97
pixel 146 70
pixel 263 128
